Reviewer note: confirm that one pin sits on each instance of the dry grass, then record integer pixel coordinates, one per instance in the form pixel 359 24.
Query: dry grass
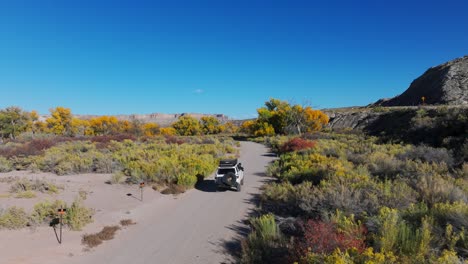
pixel 94 240
pixel 108 232
pixel 173 189
pixel 158 186
pixel 127 222
pixel 91 240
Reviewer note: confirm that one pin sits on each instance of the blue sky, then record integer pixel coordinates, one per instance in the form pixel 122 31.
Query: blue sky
pixel 123 57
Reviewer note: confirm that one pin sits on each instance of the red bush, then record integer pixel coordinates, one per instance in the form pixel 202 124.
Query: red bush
pixel 296 144
pixel 34 147
pixel 324 237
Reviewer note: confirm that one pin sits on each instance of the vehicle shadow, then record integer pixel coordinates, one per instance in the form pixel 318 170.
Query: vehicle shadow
pixel 208 186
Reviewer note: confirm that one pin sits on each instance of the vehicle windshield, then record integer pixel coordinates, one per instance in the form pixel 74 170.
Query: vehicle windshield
pixel 225 171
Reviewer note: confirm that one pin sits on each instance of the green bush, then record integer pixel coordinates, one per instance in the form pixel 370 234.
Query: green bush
pixel 25 185
pixel 186 180
pixel 265 244
pixel 396 235
pixel 26 194
pixel 170 163
pixel 117 178
pixel 74 157
pixel 45 211
pixel 413 199
pixel 5 165
pixel 13 218
pixel 78 215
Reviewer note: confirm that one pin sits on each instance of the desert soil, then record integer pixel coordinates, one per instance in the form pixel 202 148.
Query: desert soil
pixel 202 225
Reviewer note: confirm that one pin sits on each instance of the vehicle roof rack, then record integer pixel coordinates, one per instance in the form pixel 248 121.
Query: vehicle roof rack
pixel 227 162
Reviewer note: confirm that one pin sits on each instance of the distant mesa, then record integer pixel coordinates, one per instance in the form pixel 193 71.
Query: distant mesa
pixel 445 84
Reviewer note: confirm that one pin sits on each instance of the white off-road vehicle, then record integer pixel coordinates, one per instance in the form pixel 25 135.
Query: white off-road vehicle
pixel 230 174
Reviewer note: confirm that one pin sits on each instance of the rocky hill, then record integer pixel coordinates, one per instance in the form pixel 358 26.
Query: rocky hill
pixel 445 84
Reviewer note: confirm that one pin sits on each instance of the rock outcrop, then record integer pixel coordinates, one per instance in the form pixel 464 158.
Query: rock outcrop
pixel 358 118
pixel 445 84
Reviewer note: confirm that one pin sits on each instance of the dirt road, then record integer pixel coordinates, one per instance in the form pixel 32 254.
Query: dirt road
pixel 196 227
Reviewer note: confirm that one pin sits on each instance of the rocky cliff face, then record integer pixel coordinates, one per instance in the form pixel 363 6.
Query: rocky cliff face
pixel 445 84
pixel 353 118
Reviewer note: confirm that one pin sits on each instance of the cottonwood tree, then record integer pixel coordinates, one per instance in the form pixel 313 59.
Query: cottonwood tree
pixel 104 125
pixel 210 125
pixel 280 117
pixel 60 121
pixel 187 126
pixel 150 129
pixel 13 121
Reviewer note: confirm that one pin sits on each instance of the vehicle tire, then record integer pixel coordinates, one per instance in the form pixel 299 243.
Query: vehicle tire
pixel 238 187
pixel 229 179
pixel 242 181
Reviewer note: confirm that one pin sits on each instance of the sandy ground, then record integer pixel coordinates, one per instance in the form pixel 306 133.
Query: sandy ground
pixel 199 226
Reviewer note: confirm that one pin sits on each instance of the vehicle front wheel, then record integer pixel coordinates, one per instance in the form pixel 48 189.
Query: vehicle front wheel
pixel 242 181
pixel 238 187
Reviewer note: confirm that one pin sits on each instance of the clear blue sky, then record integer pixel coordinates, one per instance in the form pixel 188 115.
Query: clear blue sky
pixel 112 57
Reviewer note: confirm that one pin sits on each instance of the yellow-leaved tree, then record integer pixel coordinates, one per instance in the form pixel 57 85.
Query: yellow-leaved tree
pixel 150 129
pixel 187 126
pixel 104 125
pixel 210 125
pixel 60 121
pixel 280 117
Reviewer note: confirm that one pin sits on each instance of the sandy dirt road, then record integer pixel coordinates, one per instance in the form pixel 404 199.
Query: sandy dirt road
pixel 196 227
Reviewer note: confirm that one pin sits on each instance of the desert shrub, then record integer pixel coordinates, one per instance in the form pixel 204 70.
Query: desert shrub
pixel 104 140
pixel 27 148
pixel 13 218
pixel 94 240
pixel 428 154
pixel 325 237
pixel 396 194
pixel 455 214
pixel 78 215
pixel 170 163
pixel 384 165
pixel 280 198
pixel 26 195
pixel 265 244
pixel 186 180
pixel 45 211
pixel 411 199
pixel 117 177
pixel 340 196
pixel 433 188
pixel 72 157
pixel 174 189
pixel 104 164
pixel 5 165
pixel 296 144
pixel 463 171
pixel 396 235
pixel 108 232
pixel 26 185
